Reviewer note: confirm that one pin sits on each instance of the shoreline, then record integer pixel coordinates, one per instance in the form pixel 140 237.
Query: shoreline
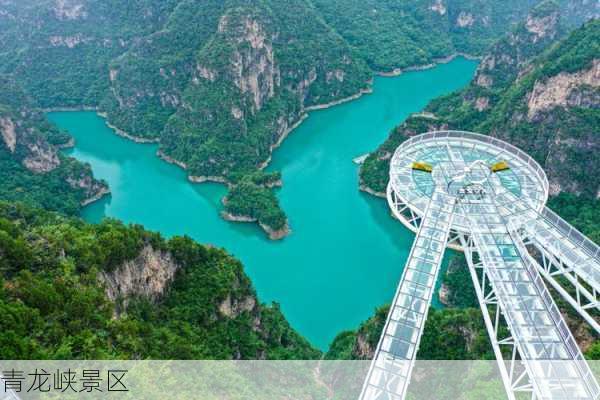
pixel 273 234
pixel 69 109
pixel 170 160
pixel 103 192
pixel 280 140
pixel 364 188
pixel 360 160
pixel 124 134
pixel 304 116
pixel 208 178
pixel 361 92
pixel 435 62
pixel 195 179
pixel 69 145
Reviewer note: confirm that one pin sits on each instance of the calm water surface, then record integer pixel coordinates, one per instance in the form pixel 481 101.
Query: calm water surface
pixel 345 254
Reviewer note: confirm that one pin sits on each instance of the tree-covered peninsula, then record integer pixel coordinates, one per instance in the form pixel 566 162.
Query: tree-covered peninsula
pixel 221 83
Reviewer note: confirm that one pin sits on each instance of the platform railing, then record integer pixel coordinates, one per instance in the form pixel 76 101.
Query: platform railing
pixel 555 314
pixel 452 134
pixel 571 233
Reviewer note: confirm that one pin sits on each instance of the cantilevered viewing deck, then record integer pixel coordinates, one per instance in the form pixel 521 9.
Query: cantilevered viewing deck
pixel 487 198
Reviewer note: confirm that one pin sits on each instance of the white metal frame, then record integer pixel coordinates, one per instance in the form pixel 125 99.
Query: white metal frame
pixel 522 220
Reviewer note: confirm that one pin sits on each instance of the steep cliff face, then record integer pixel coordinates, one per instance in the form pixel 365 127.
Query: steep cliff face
pixel 41 157
pixel 30 159
pixel 59 49
pixel 437 28
pixel 148 276
pixel 8 133
pixel 567 90
pixel 507 58
pixel 533 90
pixel 234 87
pixel 221 104
pixel 558 99
pixel 221 83
pixel 20 130
pixel 146 83
pixel 184 300
pixel 252 63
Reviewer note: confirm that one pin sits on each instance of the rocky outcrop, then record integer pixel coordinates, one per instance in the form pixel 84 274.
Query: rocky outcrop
pixel 237 218
pixel 482 103
pixel 274 234
pixel 206 73
pixel 253 64
pixel 542 27
pixel 148 276
pixel 93 190
pixel 508 59
pixel 443 294
pixel 438 7
pixel 69 9
pixel 247 61
pixel 8 133
pixel 68 41
pixel 465 20
pixel 41 157
pixel 363 349
pixel 565 90
pixel 233 307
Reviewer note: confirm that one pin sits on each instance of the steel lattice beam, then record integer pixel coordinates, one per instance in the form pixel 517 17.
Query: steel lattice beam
pixel 499 219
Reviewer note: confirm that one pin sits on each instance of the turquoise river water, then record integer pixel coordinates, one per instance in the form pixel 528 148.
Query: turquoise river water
pixel 345 254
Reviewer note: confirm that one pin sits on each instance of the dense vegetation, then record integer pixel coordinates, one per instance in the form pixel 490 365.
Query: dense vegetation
pixel 561 136
pixel 582 212
pixel 219 83
pixel 251 197
pixel 50 190
pixel 31 169
pixel 54 307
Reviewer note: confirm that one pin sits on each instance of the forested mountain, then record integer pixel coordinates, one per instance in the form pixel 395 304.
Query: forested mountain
pixel 546 105
pixel 221 83
pixel 398 34
pixel 31 168
pixel 72 290
pixel 537 88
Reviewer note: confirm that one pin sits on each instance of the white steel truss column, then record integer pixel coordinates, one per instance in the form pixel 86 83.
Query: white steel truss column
pixel 554 365
pixel 390 371
pixel 500 210
pixel 564 253
pixel 511 371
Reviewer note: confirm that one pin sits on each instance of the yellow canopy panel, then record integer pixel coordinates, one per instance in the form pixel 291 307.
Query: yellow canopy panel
pixel 422 166
pixel 500 166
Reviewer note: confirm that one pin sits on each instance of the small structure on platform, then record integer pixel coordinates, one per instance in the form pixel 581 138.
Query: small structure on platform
pixel 496 219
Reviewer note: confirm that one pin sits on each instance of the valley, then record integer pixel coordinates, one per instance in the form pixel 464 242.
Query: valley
pixel 343 241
